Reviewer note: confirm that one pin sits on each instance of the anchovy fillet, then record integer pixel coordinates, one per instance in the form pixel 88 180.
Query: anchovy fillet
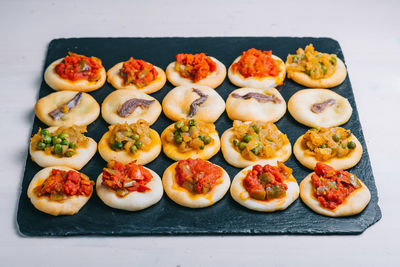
pixel 61 111
pixel 262 98
pixel 130 105
pixel 320 107
pixel 197 103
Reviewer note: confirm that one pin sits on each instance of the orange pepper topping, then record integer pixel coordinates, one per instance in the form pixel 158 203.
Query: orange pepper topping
pixel 138 72
pixel 78 67
pixel 194 67
pixel 256 63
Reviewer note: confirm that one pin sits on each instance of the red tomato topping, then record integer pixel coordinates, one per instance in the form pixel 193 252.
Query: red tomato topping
pixel 333 187
pixel 138 72
pixel 194 67
pixel 197 175
pixel 126 178
pixel 265 183
pixel 78 67
pixel 256 63
pixel 61 184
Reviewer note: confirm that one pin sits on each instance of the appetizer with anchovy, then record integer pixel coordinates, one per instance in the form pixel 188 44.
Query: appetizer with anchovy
pixel 335 146
pixel 66 108
pixel 195 183
pixel 311 68
pixel 128 186
pixel 129 106
pixel 197 69
pixel 138 75
pixel 251 141
pixel 60 190
pixel 193 102
pixel 190 139
pixel 248 104
pixel 62 146
pixel 130 142
pixel 334 193
pixel 75 73
pixel 257 69
pixel 264 187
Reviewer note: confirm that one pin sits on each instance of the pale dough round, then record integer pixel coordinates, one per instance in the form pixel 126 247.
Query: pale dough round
pixel 354 203
pixel 255 82
pixel 185 198
pixel 240 194
pixel 213 80
pixel 251 109
pixel 117 82
pixel 83 114
pixel 337 163
pixel 134 200
pixel 111 104
pixel 69 206
pixel 335 79
pixel 300 104
pixel 176 104
pixel 141 157
pixel 234 158
pixel 171 150
pixel 77 161
pixel 59 84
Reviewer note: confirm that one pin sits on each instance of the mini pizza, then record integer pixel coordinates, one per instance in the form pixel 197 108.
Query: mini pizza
pixel 130 142
pixel 248 142
pixel 75 73
pixel 60 190
pixel 193 102
pixel 62 146
pixel 129 187
pixel 314 69
pixel 319 108
pixel 335 146
pixel 257 69
pixel 246 104
pixel 265 188
pixel 334 193
pixel 138 75
pixel 197 69
pixel 195 183
pixel 67 108
pixel 129 106
pixel 190 139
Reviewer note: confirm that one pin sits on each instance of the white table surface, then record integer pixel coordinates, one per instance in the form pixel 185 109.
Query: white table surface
pixel 369 34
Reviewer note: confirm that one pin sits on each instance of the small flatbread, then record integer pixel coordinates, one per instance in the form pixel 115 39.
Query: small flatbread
pixel 241 196
pixel 251 109
pixel 83 114
pixel 354 203
pixel 300 105
pixel 234 158
pixel 59 84
pixel 117 82
pixel 111 104
pixel 69 206
pixel 335 79
pixel 185 198
pixel 256 82
pixel 213 80
pixel 77 161
pixel 337 163
pixel 176 103
pixel 142 157
pixel 171 150
pixel 134 200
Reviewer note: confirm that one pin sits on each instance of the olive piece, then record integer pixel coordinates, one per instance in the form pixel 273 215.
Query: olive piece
pixel 192 122
pixel 247 138
pixel 57 140
pixel 135 136
pixel 118 145
pixel 178 139
pixel 255 151
pixel 58 149
pixel 336 137
pixel 236 142
pixel 256 128
pixel 40 145
pixel 179 124
pixel 69 153
pixel 64 136
pixel 138 144
pixel 72 145
pixel 242 145
pixel 206 140
pixel 185 128
pixel 44 132
pixel 133 149
pixel 47 139
pixel 351 145
pixel 65 142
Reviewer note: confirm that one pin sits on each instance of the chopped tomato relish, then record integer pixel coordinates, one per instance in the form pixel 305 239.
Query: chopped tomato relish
pixel 124 179
pixel 197 175
pixel 194 67
pixel 62 184
pixel 138 72
pixel 332 187
pixel 78 67
pixel 265 183
pixel 256 63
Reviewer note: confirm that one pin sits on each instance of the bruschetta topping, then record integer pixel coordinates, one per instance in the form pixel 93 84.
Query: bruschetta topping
pixel 256 63
pixel 194 66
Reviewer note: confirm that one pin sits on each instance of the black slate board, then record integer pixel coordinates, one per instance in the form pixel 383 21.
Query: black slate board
pixel 167 218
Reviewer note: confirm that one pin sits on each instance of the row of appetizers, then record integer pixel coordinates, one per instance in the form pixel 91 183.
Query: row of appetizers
pixel 196 183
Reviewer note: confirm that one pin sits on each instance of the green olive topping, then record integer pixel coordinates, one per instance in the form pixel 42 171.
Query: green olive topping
pixel 242 145
pixel 40 145
pixel 247 138
pixel 44 132
pixel 179 124
pixel 236 142
pixel 185 128
pixel 133 149
pixel 178 139
pixel 351 145
pixel 138 144
pixel 47 139
pixel 336 138
pixel 58 149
